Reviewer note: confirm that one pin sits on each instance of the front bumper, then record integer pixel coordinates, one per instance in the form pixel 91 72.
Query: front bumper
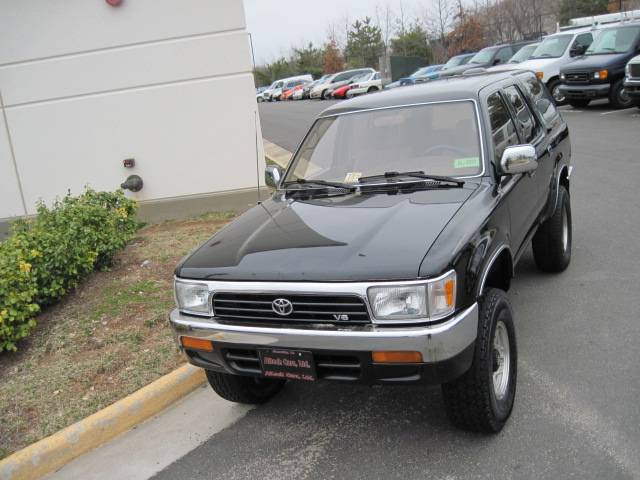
pixel 632 88
pixel 582 92
pixel 446 348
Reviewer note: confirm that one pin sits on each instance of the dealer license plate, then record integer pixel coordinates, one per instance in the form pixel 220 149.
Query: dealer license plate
pixel 287 364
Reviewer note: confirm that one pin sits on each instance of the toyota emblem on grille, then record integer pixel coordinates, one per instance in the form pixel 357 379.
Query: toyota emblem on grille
pixel 282 306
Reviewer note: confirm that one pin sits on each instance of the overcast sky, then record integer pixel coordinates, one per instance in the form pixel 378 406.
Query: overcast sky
pixel 277 25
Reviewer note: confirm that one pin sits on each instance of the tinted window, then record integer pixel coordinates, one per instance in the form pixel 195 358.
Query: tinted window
pixel 503 131
pixel 441 139
pixel 525 120
pixel 583 40
pixel 504 54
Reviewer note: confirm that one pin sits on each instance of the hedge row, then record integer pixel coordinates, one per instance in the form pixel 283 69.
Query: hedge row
pixel 45 256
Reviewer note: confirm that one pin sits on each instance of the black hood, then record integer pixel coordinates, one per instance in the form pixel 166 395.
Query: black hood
pixel 346 238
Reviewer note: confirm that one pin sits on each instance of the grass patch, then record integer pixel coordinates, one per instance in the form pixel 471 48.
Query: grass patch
pixel 103 341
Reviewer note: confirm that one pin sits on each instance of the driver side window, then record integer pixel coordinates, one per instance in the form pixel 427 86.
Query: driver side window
pixel 503 130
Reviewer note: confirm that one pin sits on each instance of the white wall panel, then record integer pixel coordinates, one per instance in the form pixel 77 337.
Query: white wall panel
pixel 10 201
pixel 148 64
pixel 32 29
pixel 186 138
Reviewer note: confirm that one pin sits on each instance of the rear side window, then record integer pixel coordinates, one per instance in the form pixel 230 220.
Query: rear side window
pixel 524 119
pixel 541 98
pixel 503 131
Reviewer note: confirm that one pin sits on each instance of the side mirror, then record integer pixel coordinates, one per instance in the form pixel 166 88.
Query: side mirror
pixel 496 61
pixel 518 159
pixel 577 50
pixel 272 176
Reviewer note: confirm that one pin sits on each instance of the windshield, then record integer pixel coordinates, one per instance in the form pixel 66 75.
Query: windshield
pixel 613 40
pixel 439 139
pixel 454 62
pixel 483 56
pixel 552 47
pixel 523 54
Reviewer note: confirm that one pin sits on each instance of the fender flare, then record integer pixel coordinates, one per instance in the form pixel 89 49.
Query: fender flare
pixel 482 278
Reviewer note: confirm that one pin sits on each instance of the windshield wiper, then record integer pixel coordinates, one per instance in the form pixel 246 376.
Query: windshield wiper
pixel 417 174
pixel 323 183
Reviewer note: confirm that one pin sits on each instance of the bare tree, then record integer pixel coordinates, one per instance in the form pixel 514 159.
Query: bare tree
pixel 384 21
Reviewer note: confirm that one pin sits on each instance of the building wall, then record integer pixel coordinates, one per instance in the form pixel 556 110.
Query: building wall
pixel 86 85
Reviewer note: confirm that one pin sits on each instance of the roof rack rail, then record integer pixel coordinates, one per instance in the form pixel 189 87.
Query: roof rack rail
pixel 597 20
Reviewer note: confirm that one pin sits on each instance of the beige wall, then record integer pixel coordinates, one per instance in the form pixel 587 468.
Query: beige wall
pixel 86 85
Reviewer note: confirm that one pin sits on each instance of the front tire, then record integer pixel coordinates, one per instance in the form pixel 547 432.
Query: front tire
pixel 324 95
pixel 558 97
pixel 481 399
pixel 239 389
pixel 552 242
pixel 618 98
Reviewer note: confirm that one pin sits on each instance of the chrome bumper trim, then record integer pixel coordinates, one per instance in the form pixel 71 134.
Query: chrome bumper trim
pixel 436 342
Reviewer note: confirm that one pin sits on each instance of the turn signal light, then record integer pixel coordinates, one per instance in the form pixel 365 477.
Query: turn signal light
pixel 196 344
pixel 397 357
pixel 540 75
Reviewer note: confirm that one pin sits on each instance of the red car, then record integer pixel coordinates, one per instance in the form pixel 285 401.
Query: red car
pixel 342 91
pixel 289 93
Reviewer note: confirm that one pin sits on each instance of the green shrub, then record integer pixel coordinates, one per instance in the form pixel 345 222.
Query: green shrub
pixel 46 256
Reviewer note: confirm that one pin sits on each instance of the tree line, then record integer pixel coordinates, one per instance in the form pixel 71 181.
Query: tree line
pixel 435 33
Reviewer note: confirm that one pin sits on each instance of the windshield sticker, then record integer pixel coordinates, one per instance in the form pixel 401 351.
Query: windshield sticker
pixel 467 162
pixel 352 177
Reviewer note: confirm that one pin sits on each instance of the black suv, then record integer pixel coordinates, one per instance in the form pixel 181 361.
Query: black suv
pixel 599 73
pixel 385 253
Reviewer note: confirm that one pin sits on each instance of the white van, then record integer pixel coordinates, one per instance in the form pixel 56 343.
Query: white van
pixel 275 90
pixel 554 52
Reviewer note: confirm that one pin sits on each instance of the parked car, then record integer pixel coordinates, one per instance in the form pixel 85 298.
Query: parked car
pixel 323 89
pixel 521 56
pixel 288 84
pixel 260 93
pixel 487 57
pixel 386 251
pixel 286 95
pixel 306 91
pixel 599 73
pixel 556 51
pixel 457 61
pixel 341 92
pixel 368 83
pixel 632 80
pixel 423 74
pixel 298 94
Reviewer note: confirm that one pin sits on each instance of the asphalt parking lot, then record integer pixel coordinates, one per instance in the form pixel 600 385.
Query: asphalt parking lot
pixel 577 413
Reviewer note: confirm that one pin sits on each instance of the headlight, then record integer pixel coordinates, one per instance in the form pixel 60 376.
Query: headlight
pixel 601 75
pixel 430 300
pixel 192 297
pixel 540 75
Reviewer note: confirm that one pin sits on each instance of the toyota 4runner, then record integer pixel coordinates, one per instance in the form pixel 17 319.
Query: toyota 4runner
pixel 386 250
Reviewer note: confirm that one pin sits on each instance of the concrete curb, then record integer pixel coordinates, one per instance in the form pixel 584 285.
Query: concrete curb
pixel 53 452
pixel 276 154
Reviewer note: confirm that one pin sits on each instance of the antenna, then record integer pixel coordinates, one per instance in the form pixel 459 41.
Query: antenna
pixel 255 123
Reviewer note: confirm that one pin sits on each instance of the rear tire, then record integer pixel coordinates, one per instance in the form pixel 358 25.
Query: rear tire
pixel 324 95
pixel 552 242
pixel 617 98
pixel 372 89
pixel 239 389
pixel 579 103
pixel 481 399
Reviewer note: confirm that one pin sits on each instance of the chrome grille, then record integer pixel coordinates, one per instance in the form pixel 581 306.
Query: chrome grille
pixel 635 70
pixel 577 77
pixel 307 308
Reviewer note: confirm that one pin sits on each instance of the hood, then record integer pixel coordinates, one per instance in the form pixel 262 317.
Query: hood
pixel 596 62
pixel 346 238
pixel 461 69
pixel 538 64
